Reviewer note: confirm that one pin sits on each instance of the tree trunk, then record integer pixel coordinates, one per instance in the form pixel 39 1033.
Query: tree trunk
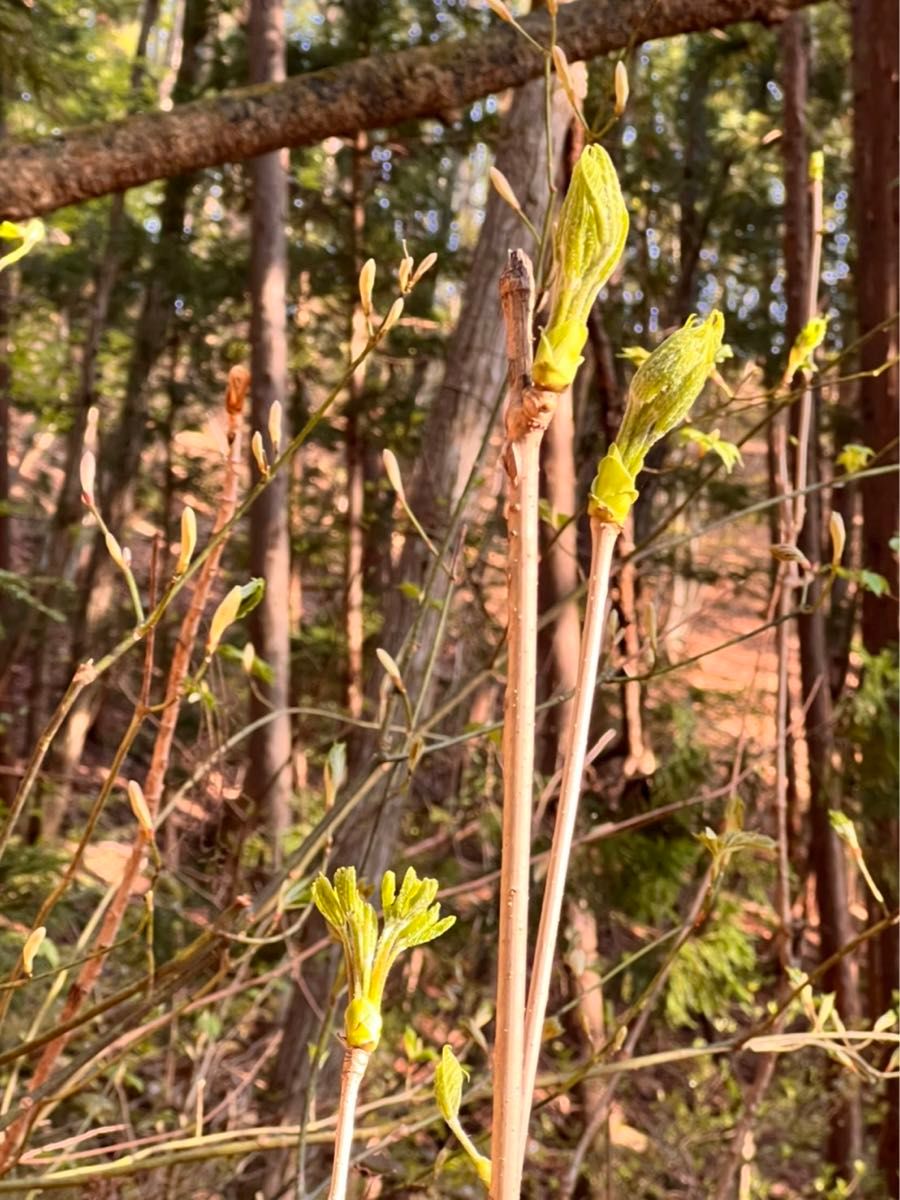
pixel 119 460
pixel 875 85
pixel 355 452
pixel 269 773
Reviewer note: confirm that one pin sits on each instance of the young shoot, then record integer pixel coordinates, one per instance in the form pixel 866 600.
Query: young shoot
pixel 410 917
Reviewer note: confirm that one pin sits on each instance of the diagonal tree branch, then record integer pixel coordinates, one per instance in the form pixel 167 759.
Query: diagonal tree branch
pixel 371 93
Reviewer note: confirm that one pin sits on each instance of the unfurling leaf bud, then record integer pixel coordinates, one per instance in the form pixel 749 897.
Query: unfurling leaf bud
pixel 838 532
pixel 366 283
pixel 805 345
pixel 394 314
pixel 448 1085
pixel 565 75
pixel 236 389
pixel 390 669
pixel 621 87
pixel 404 271
pixel 115 551
pixel 392 470
pixel 661 394
pixel 259 454
pixel 789 553
pixel 498 7
pixel 224 615
pixel 188 540
pixel 29 950
pixel 248 658
pixel 88 476
pixel 275 415
pixel 590 237
pixel 139 807
pixel 503 188
pixel 423 268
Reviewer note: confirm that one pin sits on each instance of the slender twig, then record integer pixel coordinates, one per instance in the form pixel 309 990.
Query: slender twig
pixel 528 413
pixel 352 1072
pixel 235 394
pixel 603 541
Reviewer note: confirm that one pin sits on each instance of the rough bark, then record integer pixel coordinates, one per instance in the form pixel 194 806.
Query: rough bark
pixel 875 84
pixel 45 174
pixel 269 773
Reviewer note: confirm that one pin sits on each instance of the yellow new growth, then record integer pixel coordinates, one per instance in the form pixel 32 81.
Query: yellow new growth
pixel 590 238
pixel 661 394
pixel 410 918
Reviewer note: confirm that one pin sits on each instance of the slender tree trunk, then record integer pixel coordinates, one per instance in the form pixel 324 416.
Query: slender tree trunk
pixel 61 537
pixel 875 85
pixel 119 459
pixel 355 453
pixel 826 851
pixel 269 774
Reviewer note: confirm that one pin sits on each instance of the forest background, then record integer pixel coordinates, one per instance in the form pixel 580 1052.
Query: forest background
pixel 172 1031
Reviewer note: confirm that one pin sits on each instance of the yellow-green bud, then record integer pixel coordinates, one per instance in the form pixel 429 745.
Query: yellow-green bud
pixel 590 238
pixel 816 166
pixel 613 491
pixel 665 386
pixel 362 1024
pixel 807 341
pixel 661 394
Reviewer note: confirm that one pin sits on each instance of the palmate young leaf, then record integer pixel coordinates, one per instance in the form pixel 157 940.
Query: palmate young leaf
pixel 712 443
pixel 854 457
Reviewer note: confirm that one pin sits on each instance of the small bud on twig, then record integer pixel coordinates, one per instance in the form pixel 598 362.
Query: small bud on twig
pixel 88 477
pixel 838 532
pixel 223 617
pixel 31 947
pixel 789 553
pixel 500 9
pixel 424 266
pixel 621 87
pixel 404 271
pixel 259 454
pixel 392 318
pixel 390 669
pixel 392 470
pixel 248 658
pixel 115 551
pixel 565 75
pixel 366 283
pixel 275 416
pixel 139 807
pixel 503 188
pixel 188 539
pixel 236 391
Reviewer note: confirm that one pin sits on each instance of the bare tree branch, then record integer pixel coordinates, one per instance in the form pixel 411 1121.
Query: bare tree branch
pixel 370 93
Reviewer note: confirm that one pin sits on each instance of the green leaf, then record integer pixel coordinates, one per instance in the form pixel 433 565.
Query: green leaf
pixel 251 596
pixel 448 1085
pixel 854 457
pixel 713 443
pixel 871 581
